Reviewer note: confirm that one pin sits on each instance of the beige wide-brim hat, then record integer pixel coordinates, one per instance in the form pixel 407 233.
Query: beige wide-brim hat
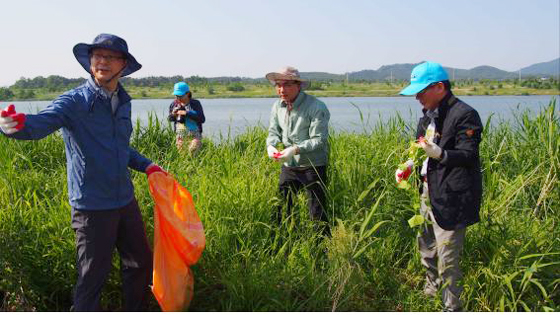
pixel 287 74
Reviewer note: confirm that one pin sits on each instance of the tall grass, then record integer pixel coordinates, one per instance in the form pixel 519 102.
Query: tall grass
pixel 511 260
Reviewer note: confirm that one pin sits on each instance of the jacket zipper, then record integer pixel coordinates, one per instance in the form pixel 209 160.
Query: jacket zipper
pixel 113 115
pixel 288 113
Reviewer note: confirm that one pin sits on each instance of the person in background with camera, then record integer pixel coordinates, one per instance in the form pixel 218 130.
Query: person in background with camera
pixel 188 117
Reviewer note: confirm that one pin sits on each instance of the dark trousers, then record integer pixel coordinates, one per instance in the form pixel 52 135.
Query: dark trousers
pixel 98 233
pixel 314 181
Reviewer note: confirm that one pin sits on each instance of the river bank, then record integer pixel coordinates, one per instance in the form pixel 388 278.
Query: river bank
pixel 326 89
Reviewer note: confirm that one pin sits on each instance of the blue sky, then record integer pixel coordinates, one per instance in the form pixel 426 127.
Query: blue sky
pixel 252 37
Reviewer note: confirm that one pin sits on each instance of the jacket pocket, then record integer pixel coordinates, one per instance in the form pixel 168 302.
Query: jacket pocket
pixel 124 124
pixel 459 179
pixel 78 169
pixel 127 126
pixel 77 174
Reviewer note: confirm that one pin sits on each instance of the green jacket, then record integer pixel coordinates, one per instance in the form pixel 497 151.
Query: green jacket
pixel 306 126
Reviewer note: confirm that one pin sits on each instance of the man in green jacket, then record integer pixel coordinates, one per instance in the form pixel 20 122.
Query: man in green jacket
pixel 300 123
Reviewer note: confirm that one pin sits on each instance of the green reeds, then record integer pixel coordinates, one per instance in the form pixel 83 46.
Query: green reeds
pixel 511 259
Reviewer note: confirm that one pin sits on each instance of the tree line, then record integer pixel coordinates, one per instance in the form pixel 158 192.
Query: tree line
pixel 25 88
pixel 57 83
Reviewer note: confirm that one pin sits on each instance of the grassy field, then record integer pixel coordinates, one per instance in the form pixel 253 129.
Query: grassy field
pixel 325 89
pixel 511 259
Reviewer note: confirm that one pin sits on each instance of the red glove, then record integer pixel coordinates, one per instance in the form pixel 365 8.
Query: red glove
pixel 10 121
pixel 152 168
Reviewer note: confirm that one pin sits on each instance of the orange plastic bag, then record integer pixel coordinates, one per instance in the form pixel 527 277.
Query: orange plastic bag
pixel 178 242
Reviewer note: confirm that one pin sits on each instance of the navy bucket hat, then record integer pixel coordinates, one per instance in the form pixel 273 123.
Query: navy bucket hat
pixel 107 41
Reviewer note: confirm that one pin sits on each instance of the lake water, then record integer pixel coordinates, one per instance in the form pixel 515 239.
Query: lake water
pixel 233 116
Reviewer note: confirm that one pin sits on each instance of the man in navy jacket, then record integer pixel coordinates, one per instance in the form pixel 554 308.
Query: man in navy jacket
pixel 451 178
pixel 95 119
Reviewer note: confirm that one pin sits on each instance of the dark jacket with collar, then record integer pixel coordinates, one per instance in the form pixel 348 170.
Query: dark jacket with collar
pixel 455 182
pixel 197 116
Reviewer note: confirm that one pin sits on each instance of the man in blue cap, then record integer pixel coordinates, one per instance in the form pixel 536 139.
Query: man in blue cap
pixel 96 128
pixel 188 117
pixel 451 178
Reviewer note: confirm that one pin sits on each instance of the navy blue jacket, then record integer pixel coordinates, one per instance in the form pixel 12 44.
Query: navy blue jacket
pixel 97 141
pixel 455 182
pixel 198 117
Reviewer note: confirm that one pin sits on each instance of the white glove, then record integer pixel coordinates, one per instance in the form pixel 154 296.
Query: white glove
pixel 272 152
pixel 287 153
pixel 401 174
pixel 432 149
pixel 10 121
pixel 7 125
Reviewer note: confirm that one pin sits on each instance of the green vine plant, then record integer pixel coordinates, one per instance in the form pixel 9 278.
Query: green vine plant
pixel 415 157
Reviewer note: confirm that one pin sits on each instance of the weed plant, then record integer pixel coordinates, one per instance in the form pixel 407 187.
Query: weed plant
pixel 511 259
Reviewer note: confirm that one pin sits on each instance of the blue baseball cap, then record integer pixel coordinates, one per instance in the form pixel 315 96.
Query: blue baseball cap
pixel 423 75
pixel 180 89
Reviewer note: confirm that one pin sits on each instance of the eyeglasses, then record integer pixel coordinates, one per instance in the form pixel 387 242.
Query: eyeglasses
pixel 109 58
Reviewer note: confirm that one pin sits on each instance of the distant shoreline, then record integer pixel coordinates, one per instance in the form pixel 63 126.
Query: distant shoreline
pixel 275 96
pixel 319 89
